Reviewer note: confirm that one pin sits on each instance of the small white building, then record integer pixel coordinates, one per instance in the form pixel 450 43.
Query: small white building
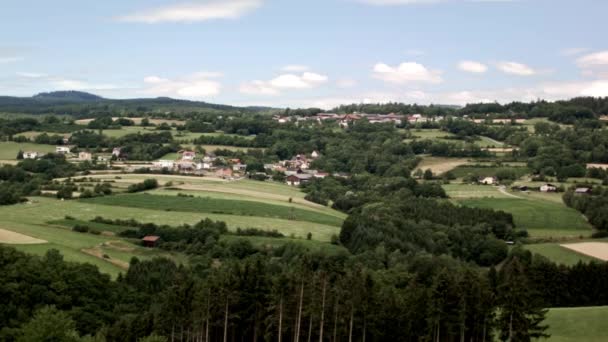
pixel 116 152
pixel 488 181
pixel 63 149
pixel 188 155
pixel 85 156
pixel 30 155
pixel 239 167
pixel 548 188
pixel 315 154
pixel 164 164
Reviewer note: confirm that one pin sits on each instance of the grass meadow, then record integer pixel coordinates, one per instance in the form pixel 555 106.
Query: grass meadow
pixel 9 149
pixel 577 324
pixel 558 254
pixel 215 206
pixel 539 217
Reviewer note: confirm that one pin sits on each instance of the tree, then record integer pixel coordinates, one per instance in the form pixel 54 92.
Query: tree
pixel 521 314
pixel 428 174
pixel 153 338
pixel 49 324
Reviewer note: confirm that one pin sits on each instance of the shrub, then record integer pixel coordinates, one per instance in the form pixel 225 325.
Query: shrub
pixel 80 228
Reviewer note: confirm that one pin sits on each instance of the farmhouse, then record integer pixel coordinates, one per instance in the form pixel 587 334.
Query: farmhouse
pixel 85 156
pixel 488 181
pixel 224 172
pixel 297 179
pixel 239 167
pixel 548 188
pixel 116 152
pixel 30 155
pixel 63 149
pixel 582 191
pixel 188 155
pixel 164 164
pixel 150 240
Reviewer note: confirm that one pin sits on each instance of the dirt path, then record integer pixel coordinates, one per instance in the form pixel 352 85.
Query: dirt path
pixel 506 193
pixel 598 250
pixel 98 253
pixel 12 238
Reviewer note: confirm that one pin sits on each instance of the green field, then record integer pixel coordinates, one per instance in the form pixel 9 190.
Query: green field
pixel 215 206
pixel 430 134
pixel 539 217
pixel 467 191
pixel 586 324
pixel 488 142
pixel 487 171
pixel 9 150
pixel 558 254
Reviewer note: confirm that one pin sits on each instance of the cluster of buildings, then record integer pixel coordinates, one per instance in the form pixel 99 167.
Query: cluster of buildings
pixel 67 150
pixel 344 120
pixel 190 163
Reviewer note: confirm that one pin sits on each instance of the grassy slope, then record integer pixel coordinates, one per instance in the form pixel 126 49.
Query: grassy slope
pixel 464 170
pixel 558 254
pixel 539 217
pixel 577 324
pixel 9 150
pixel 468 191
pixel 215 205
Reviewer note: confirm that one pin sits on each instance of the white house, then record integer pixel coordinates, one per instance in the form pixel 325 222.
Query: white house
pixel 314 154
pixel 116 152
pixel 488 181
pixel 63 149
pixel 188 155
pixel 30 155
pixel 164 164
pixel 85 156
pixel 239 167
pixel 548 188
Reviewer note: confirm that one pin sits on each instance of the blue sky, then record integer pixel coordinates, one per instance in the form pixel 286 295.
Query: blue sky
pixel 307 53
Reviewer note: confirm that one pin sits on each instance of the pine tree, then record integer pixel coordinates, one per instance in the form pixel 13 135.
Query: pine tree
pixel 521 316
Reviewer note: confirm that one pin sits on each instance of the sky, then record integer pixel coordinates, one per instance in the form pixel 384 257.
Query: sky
pixel 307 53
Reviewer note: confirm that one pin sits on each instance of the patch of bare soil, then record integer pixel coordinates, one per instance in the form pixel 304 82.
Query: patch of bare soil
pixel 598 250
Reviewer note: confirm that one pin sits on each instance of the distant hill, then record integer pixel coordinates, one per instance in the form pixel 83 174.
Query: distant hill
pixel 82 104
pixel 67 95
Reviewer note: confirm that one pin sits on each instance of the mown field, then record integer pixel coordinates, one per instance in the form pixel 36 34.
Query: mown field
pixel 488 171
pixel 9 149
pixel 215 206
pixel 539 217
pixel 440 165
pixel 586 324
pixel 242 204
pixel 558 254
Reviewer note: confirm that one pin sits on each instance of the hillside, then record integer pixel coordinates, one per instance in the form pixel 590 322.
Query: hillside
pixel 82 104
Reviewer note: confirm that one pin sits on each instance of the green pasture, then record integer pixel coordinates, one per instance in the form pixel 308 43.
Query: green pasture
pixel 586 324
pixel 487 171
pixel 215 206
pixel 558 254
pixel 541 218
pixel 9 149
pixel 467 191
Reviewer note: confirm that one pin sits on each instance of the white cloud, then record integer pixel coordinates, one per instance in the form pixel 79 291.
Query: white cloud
pixel 194 11
pixel 346 83
pixel 573 51
pixel 5 60
pixel 472 66
pixel 399 2
pixel 196 86
pixel 406 72
pixel 295 68
pixel 274 86
pixel 421 2
pixel 593 60
pixel 71 84
pixel 515 68
pixel 31 75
